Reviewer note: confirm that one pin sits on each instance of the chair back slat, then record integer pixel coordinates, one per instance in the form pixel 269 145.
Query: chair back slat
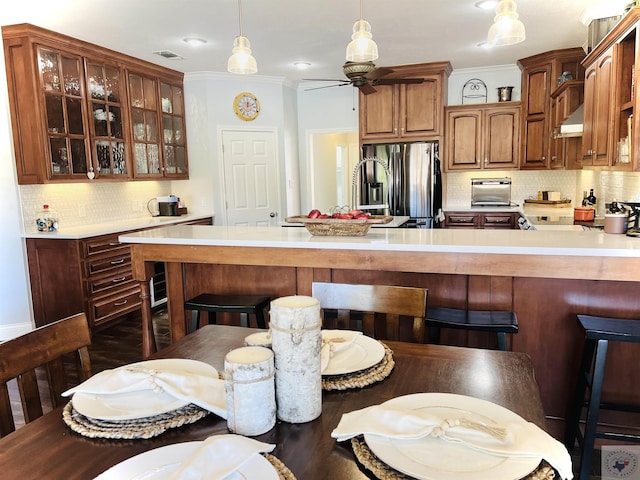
pixel 22 357
pixel 395 308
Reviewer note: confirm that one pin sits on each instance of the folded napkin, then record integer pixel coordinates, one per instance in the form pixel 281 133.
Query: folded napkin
pixel 515 439
pixel 219 456
pixel 203 390
pixel 334 341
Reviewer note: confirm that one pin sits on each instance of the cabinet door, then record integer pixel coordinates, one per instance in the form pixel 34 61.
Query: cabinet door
pixel 143 104
pixel 420 108
pixel 379 113
pixel 105 87
pixel 62 85
pixel 535 141
pixel 588 136
pixel 501 132
pixel 174 140
pixel 603 127
pixel 464 139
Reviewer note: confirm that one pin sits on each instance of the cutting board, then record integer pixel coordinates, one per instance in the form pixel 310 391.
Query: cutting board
pixel 549 203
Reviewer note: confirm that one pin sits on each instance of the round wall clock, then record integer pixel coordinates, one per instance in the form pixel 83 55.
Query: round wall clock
pixel 246 106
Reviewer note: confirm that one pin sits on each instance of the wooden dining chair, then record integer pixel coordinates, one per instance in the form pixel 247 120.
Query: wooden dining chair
pixel 48 347
pixel 380 311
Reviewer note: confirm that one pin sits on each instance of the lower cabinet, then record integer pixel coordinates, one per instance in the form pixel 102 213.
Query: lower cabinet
pixel 91 275
pixel 481 220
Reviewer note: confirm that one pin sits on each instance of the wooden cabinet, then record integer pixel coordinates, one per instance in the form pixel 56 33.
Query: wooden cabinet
pixel 483 136
pixel 406 111
pixel 484 220
pixel 565 151
pixel 91 275
pixel 74 111
pixel 598 115
pixel 540 75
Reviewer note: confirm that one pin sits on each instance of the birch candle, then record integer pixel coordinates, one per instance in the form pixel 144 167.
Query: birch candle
pixel 296 342
pixel 250 390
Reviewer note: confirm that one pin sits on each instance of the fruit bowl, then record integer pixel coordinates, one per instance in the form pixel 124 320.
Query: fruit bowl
pixel 337 227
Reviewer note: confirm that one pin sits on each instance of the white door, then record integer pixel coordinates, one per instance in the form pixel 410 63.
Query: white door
pixel 250 177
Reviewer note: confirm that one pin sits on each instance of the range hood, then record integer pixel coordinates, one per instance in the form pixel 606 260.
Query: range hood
pixel 572 126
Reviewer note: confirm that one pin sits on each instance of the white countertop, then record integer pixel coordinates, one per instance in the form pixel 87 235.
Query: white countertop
pixel 396 222
pixel 518 242
pixel 105 228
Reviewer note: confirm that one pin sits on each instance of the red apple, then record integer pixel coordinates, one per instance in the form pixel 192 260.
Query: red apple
pixel 314 213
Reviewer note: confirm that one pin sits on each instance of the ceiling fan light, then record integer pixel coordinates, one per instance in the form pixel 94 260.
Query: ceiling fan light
pixel 362 48
pixel 506 28
pixel 241 61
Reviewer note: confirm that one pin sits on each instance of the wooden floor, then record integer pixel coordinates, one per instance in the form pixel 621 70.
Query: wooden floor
pixel 122 344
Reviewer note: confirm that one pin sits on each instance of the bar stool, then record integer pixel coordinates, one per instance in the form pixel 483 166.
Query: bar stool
pixel 245 305
pixel 598 332
pixel 498 321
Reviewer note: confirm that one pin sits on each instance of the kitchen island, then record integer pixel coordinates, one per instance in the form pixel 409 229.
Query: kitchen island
pixel 546 277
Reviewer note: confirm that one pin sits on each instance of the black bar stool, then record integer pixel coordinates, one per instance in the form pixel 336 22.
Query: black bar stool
pixel 245 305
pixel 598 332
pixel 498 321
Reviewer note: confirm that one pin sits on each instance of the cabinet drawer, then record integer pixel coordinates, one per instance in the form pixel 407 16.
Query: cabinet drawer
pixel 499 221
pixel 110 263
pixel 459 220
pixel 103 244
pixel 123 278
pixel 107 308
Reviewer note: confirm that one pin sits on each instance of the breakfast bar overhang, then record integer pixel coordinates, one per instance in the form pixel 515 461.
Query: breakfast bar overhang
pixel 546 277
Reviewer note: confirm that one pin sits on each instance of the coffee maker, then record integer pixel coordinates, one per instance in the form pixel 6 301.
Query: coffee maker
pixel 633 229
pixel 163 206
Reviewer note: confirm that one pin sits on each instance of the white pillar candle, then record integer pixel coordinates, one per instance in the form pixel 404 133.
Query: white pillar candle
pixel 250 390
pixel 296 342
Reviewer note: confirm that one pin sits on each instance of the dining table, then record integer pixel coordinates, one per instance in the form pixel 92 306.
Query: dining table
pixel 47 448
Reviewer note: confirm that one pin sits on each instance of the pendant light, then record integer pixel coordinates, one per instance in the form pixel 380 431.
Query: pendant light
pixel 241 61
pixel 506 28
pixel 362 48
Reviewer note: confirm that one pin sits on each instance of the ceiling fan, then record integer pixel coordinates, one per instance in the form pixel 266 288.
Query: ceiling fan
pixel 364 76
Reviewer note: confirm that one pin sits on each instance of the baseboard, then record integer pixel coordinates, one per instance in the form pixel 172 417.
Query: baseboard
pixel 7 332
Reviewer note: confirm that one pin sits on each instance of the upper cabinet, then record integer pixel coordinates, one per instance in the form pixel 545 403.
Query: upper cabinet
pixel 406 111
pixel 565 150
pixel 540 75
pixel 483 136
pixel 81 112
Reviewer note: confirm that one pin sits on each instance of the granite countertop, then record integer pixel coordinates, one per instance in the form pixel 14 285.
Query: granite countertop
pixel 105 228
pixel 516 242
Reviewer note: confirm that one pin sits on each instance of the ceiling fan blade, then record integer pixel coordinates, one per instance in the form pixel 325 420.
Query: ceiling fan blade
pixel 379 73
pixel 394 81
pixel 325 80
pixel 327 86
pixel 366 89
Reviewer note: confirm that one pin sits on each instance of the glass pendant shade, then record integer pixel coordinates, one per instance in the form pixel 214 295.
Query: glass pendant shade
pixel 362 48
pixel 506 28
pixel 241 61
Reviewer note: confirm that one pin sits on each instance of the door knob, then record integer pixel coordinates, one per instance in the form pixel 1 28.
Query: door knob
pixel 273 214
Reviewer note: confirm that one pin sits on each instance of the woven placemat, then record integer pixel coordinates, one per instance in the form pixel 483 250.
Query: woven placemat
pixel 360 379
pixel 283 471
pixel 147 427
pixel 382 471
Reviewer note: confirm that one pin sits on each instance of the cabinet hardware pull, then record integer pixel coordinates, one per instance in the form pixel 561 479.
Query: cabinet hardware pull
pixel 114 244
pixel 118 304
pixel 118 280
pixel 117 262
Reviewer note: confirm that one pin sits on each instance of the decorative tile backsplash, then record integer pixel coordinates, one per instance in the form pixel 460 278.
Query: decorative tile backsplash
pixel 80 204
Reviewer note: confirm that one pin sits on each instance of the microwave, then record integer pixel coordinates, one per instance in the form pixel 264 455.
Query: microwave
pixel 491 191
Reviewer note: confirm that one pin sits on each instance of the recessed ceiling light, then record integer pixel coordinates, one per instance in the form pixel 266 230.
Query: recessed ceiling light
pixel 195 41
pixel 486 4
pixel 301 65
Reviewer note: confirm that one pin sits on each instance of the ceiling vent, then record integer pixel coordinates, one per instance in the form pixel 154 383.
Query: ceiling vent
pixel 168 54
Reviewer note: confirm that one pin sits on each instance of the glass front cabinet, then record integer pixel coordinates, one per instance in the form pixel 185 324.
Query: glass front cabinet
pixel 84 113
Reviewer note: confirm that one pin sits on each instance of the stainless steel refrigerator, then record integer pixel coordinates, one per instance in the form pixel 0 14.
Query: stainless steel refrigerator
pixel 411 183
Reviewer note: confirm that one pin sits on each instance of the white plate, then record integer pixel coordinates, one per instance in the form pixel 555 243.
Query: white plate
pixel 434 459
pixel 141 404
pixel 363 353
pixel 158 464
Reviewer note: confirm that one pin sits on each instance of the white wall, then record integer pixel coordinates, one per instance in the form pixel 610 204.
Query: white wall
pixel 494 77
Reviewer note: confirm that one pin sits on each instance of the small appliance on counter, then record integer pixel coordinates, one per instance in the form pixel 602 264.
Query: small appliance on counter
pixel 493 192
pixel 164 206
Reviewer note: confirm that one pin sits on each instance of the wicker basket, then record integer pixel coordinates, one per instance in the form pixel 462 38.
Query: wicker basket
pixel 333 227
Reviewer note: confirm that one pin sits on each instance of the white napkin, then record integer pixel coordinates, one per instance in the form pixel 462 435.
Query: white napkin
pixel 523 439
pixel 218 457
pixel 334 341
pixel 203 390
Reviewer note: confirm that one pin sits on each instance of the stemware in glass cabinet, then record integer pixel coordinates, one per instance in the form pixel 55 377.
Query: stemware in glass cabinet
pixel 144 118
